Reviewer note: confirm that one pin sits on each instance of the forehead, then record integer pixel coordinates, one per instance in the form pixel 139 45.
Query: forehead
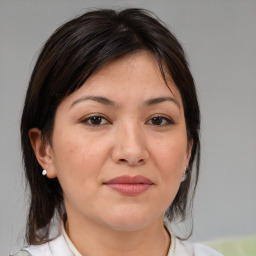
pixel 132 77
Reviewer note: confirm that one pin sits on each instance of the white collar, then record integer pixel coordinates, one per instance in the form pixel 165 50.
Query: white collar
pixel 172 247
pixel 75 252
pixel 68 241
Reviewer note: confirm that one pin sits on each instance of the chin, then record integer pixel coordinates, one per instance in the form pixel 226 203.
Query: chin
pixel 130 222
pixel 128 226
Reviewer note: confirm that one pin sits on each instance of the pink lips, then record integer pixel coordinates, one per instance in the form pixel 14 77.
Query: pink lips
pixel 128 185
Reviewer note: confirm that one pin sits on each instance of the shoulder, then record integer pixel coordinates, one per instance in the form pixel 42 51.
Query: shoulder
pixel 55 247
pixel 21 253
pixel 201 249
pixel 184 248
pixel 35 250
pixel 194 249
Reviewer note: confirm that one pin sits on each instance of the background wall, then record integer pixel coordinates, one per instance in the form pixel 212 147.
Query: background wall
pixel 220 38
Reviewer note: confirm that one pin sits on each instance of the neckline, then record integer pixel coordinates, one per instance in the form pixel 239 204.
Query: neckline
pixel 71 246
pixel 75 252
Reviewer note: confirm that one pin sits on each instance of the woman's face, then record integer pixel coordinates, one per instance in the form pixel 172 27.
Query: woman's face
pixel 119 145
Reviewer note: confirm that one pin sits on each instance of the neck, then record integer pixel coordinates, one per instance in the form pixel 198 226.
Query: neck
pixel 92 239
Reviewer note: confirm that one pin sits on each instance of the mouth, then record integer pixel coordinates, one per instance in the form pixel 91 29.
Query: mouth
pixel 128 185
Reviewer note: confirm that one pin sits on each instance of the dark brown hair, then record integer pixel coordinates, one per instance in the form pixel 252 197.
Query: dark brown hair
pixel 69 57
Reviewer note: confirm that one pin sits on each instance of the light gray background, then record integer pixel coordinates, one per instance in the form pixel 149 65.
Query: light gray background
pixel 220 38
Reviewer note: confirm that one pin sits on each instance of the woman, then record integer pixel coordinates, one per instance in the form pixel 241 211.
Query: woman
pixel 110 134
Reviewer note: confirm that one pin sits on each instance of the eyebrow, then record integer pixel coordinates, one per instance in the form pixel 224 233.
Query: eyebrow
pixel 102 100
pixel 106 101
pixel 158 100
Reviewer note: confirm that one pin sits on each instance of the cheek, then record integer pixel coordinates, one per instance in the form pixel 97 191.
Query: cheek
pixel 170 162
pixel 170 157
pixel 76 160
pixel 172 166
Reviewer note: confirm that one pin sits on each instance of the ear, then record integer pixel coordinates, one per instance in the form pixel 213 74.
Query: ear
pixel 189 151
pixel 43 152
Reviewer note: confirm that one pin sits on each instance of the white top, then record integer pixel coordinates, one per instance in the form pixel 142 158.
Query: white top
pixel 62 246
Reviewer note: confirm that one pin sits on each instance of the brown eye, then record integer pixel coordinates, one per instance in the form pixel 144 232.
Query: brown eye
pixel 95 120
pixel 159 121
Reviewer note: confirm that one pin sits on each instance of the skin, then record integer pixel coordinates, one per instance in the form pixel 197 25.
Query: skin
pixel 125 141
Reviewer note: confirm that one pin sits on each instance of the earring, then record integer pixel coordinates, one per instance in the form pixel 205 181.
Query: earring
pixel 44 172
pixel 185 173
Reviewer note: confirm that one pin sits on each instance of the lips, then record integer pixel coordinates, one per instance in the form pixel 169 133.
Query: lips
pixel 129 185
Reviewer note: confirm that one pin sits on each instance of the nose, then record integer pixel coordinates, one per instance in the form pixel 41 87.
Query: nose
pixel 130 146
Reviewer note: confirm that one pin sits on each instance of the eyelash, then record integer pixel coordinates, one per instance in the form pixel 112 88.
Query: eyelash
pixel 168 121
pixel 88 120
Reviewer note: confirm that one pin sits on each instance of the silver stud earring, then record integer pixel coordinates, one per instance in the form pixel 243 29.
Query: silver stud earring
pixel 44 172
pixel 185 173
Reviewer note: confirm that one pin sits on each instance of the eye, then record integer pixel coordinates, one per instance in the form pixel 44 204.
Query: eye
pixel 95 120
pixel 160 121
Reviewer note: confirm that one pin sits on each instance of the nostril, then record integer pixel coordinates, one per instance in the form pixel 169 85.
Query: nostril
pixel 132 162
